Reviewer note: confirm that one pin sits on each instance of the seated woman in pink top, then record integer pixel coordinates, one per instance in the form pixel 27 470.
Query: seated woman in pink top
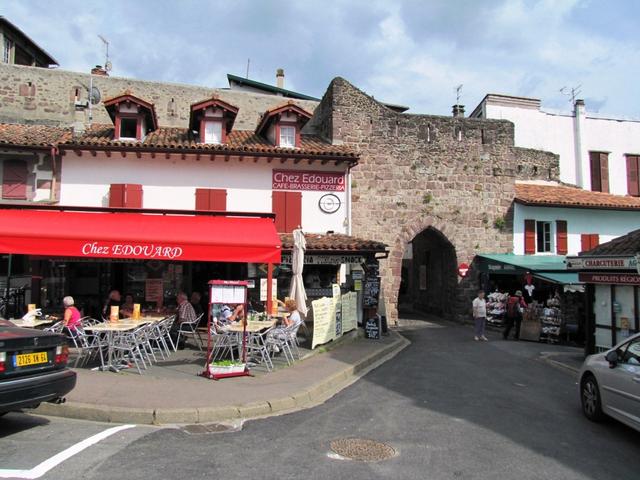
pixel 71 315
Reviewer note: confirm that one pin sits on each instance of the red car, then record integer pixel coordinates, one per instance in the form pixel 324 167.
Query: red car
pixel 33 367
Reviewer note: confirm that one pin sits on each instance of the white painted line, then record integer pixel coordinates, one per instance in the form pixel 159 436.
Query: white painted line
pixel 44 467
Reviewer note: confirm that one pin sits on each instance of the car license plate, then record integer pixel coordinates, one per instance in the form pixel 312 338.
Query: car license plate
pixel 27 359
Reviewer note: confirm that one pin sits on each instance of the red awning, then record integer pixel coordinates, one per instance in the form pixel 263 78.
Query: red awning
pixel 139 236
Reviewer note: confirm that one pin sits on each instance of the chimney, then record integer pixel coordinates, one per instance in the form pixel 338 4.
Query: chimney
pixel 98 70
pixel 280 78
pixel 458 110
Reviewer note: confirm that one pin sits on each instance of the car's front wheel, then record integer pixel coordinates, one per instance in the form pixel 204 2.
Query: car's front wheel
pixel 590 396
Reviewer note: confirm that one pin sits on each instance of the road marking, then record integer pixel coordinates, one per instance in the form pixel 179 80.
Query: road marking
pixel 44 467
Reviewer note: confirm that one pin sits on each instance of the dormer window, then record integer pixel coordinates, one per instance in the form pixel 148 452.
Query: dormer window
pixel 211 120
pixel 282 125
pixel 287 136
pixel 132 117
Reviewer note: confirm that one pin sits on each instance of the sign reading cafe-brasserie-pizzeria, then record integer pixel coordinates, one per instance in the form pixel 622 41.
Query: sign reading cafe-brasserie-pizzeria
pixel 308 180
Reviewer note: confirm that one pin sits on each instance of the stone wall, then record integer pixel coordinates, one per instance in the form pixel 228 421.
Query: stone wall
pixel 47 96
pixel 456 175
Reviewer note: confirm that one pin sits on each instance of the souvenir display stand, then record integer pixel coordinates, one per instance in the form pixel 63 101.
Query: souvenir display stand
pixel 230 293
pixel 496 307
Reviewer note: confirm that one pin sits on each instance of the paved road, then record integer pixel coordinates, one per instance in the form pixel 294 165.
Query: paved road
pixel 451 407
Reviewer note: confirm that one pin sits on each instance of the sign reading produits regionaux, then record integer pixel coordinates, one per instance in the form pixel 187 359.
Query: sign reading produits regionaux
pixel 308 180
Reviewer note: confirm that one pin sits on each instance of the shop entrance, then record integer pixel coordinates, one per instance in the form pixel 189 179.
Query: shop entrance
pixel 429 278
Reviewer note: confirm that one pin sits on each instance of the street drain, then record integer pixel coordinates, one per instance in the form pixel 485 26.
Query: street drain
pixel 204 428
pixel 362 449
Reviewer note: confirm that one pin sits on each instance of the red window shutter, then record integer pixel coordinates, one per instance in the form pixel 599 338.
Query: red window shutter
pixel 116 195
pixel 294 211
pixel 14 179
pixel 589 241
pixel 604 172
pixel 279 207
pixel 594 160
pixel 218 200
pixel 202 199
pixel 561 237
pixel 133 196
pixel 529 237
pixel 633 177
pixel 594 241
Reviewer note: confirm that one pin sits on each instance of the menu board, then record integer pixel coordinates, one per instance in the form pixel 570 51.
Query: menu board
pixel 227 294
pixel 371 290
pixel 153 290
pixel 349 311
pixel 323 321
pixel 372 328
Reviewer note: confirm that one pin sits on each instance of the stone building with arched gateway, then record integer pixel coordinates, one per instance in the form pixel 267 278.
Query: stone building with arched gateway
pixel 437 190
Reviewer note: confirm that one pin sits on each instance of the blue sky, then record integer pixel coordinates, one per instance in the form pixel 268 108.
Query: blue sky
pixel 408 52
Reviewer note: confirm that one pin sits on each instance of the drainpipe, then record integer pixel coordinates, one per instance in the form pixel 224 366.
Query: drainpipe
pixel 348 190
pixel 580 156
pixel 52 193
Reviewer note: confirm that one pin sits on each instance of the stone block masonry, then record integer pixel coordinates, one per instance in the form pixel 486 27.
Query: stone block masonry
pixel 456 175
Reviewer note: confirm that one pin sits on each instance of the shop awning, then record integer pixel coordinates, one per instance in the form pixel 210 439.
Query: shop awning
pixel 550 268
pixel 148 236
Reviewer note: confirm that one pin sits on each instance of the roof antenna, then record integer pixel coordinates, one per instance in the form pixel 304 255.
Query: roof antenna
pixel 572 94
pixel 458 90
pixel 248 63
pixel 107 62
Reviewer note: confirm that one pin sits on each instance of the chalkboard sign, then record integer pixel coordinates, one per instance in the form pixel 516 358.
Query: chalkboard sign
pixel 372 329
pixel 371 291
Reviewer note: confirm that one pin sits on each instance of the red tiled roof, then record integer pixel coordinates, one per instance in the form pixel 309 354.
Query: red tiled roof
pixel 628 244
pixel 32 135
pixel 564 196
pixel 289 106
pixel 333 242
pixel 182 139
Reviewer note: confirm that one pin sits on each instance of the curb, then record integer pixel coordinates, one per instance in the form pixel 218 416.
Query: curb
pixel 558 364
pixel 312 396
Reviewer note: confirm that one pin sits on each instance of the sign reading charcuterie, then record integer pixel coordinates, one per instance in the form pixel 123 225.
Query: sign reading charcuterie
pixel 94 249
pixel 308 180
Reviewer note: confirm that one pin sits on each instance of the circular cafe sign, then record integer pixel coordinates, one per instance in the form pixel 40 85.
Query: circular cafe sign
pixel 329 203
pixel 463 269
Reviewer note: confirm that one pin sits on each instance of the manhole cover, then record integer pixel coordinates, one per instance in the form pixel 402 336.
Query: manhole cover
pixel 362 449
pixel 203 428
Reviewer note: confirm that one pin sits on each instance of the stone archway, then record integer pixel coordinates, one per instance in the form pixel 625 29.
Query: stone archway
pixel 431 235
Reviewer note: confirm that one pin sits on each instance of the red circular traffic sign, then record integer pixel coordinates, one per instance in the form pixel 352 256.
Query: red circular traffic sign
pixel 463 269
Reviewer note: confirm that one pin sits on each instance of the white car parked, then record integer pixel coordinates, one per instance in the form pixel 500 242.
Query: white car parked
pixel 610 383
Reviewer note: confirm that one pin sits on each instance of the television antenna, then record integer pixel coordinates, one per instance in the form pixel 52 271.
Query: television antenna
pixel 458 94
pixel 107 62
pixel 572 92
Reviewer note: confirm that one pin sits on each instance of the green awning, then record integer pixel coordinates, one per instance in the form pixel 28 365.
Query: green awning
pixel 561 278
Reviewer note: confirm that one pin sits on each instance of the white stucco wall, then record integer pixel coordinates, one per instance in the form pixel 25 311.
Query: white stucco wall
pixel 555 132
pixel 171 184
pixel 609 224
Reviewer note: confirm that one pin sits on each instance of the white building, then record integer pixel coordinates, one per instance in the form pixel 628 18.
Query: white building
pixel 599 156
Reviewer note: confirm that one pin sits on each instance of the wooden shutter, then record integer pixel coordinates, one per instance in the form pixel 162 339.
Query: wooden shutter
pixel 202 199
pixel 116 195
pixel 293 218
pixel 561 237
pixel 594 160
pixel 589 241
pixel 633 177
pixel 133 196
pixel 14 179
pixel 279 207
pixel 529 237
pixel 604 172
pixel 218 200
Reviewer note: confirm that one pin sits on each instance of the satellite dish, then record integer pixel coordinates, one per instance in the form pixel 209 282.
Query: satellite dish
pixel 95 96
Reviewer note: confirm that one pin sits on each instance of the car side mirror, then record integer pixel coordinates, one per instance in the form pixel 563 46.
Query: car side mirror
pixel 612 358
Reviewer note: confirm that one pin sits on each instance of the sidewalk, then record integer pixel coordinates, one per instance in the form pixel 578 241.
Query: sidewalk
pixel 171 392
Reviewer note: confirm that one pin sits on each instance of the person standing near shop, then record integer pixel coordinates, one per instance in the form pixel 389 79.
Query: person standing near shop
pixel 114 299
pixel 480 316
pixel 513 315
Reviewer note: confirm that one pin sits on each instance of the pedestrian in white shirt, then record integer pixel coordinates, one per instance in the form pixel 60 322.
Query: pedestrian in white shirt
pixel 480 315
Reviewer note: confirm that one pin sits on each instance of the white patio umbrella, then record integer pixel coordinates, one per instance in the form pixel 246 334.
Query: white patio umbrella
pixel 297 291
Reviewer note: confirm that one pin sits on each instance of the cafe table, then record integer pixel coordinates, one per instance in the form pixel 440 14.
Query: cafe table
pixel 19 322
pixel 111 328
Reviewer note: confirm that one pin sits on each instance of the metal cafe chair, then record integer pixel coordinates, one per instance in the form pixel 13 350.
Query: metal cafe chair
pixel 190 328
pixel 257 348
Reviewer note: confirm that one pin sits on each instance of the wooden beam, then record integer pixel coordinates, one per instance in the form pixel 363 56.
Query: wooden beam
pixel 241 158
pixel 324 161
pixel 93 153
pixel 138 154
pixel 107 153
pixel 226 158
pixel 183 156
pixel 123 153
pixel 255 159
pixel 283 159
pixel 78 152
pixel 153 154
pixel 198 157
pixel 269 159
pixel 297 161
pixel 167 155
pixel 212 157
pixel 311 161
